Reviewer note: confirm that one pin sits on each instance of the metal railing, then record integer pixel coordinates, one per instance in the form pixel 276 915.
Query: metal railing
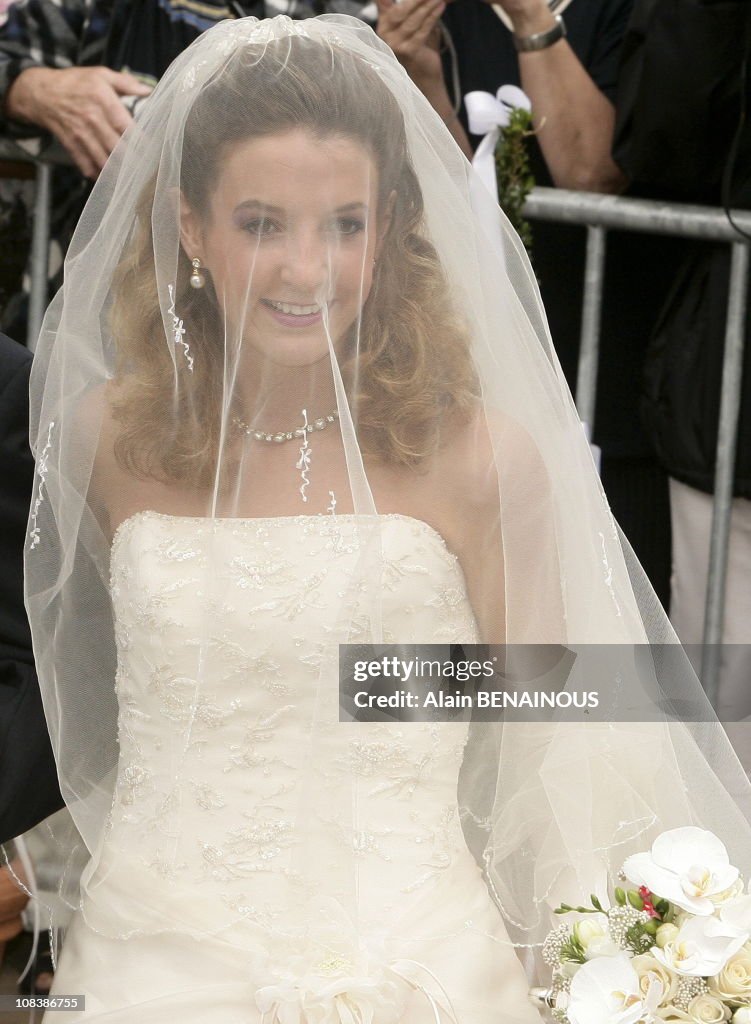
pixel 43 156
pixel 598 214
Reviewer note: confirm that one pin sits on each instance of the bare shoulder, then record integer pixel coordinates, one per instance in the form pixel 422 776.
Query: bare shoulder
pixel 96 424
pixel 488 449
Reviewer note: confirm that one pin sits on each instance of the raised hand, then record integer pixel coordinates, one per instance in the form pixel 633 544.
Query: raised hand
pixel 81 107
pixel 412 31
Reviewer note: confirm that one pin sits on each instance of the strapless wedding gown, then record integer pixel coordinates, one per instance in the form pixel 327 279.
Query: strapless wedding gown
pixel 254 869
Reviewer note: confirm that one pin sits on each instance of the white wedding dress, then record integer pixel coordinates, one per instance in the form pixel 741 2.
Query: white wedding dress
pixel 217 896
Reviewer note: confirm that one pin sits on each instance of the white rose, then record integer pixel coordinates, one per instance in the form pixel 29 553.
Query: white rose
pixel 648 968
pixel 733 982
pixel 742 1015
pixel 665 933
pixel 707 1009
pixel 672 1015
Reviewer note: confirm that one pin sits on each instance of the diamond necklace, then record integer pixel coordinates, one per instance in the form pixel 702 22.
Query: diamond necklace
pixel 285 435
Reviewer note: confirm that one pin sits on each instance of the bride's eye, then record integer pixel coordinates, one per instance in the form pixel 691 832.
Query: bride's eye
pixel 261 227
pixel 349 225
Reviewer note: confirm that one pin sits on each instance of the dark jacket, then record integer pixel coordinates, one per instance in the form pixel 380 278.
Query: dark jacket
pixel 679 100
pixel 28 780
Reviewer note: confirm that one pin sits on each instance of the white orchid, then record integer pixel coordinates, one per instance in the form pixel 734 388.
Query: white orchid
pixel 607 991
pixel 736 916
pixel 701 948
pixel 687 866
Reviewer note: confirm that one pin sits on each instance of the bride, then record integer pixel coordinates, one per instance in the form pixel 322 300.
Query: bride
pixel 295 394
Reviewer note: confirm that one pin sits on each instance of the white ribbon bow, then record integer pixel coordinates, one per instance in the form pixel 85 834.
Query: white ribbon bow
pixel 486 115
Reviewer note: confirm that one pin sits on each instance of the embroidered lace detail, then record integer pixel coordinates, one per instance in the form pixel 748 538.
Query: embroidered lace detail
pixel 42 471
pixel 227 635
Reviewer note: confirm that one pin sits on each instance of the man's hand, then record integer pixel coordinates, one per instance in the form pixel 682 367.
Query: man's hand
pixel 411 29
pixel 81 107
pixel 574 120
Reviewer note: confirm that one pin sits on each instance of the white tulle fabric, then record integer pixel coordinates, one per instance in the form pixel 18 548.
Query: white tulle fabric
pixel 188 585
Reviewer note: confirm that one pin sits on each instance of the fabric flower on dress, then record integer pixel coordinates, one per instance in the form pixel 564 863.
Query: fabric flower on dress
pixel 325 996
pixel 351 986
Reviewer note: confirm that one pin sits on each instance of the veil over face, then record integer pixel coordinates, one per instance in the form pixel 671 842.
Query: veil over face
pixel 296 344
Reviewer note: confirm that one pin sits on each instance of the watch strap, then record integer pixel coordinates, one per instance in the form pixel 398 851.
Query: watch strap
pixel 541 40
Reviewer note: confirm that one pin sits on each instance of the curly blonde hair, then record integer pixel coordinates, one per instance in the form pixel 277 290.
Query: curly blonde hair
pixel 414 368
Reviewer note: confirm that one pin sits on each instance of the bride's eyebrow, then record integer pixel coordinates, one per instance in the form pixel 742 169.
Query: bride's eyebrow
pixel 258 204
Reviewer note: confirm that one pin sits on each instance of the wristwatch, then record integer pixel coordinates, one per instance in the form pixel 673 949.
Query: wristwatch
pixel 541 40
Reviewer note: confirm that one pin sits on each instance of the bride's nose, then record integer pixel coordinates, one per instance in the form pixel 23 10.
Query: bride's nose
pixel 307 264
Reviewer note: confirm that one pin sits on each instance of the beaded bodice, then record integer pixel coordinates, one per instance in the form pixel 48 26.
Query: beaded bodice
pixel 235 777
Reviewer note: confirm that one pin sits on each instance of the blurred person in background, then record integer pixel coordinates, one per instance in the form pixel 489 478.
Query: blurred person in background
pixel 28 781
pixel 683 132
pixel 29 789
pixel 467 45
pixel 16 196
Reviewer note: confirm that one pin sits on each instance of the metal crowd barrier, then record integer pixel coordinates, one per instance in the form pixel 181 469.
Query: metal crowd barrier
pixel 44 156
pixel 598 214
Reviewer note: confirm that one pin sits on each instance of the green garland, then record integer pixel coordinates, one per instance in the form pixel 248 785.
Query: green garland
pixel 515 180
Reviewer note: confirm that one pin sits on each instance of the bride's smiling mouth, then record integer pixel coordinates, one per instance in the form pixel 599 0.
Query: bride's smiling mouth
pixel 292 314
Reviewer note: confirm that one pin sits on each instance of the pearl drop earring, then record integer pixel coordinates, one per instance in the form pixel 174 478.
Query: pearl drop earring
pixel 197 279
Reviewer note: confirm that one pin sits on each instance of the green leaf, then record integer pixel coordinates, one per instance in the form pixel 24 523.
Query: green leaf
pixel 573 950
pixel 638 938
pixel 515 180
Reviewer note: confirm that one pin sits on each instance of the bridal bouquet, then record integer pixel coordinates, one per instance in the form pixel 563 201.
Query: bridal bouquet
pixel 675 947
